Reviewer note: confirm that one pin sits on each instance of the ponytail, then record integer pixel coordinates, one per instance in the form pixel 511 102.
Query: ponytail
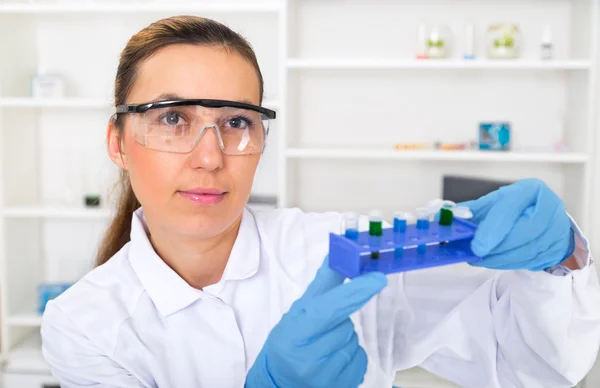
pixel 118 233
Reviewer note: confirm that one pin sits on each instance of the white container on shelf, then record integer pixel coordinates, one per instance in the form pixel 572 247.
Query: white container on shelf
pixel 47 86
pixel 547 47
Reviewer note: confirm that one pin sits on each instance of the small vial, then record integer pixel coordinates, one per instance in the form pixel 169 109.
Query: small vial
pixel 350 226
pixel 423 218
pixel 375 223
pixel 447 213
pixel 400 221
pixel 547 46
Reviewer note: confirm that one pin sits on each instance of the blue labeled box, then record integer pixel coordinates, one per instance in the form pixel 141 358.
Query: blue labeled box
pixel 48 291
pixel 494 136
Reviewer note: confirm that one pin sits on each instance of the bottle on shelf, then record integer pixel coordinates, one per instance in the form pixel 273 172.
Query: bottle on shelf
pixel 421 52
pixel 547 48
pixel 469 52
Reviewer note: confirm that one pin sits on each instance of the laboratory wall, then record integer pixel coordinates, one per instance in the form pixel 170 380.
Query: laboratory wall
pixel 363 122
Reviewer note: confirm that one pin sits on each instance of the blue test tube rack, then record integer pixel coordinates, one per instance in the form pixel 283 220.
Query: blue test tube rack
pixel 401 251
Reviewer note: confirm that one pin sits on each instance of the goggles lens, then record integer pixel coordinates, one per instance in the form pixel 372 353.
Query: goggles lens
pixel 179 128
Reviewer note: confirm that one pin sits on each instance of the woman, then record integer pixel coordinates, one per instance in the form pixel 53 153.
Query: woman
pixel 195 290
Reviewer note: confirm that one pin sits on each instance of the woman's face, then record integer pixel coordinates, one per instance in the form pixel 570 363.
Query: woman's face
pixel 169 186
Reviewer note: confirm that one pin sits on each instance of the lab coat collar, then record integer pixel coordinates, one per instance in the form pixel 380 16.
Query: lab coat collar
pixel 168 291
pixel 244 259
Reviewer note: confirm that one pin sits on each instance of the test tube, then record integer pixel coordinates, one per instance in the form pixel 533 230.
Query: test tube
pixel 423 215
pixel 423 218
pixel 350 226
pixel 375 231
pixel 375 223
pixel 400 220
pixel 447 213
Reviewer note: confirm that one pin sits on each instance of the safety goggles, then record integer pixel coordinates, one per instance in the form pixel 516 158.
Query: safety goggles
pixel 177 125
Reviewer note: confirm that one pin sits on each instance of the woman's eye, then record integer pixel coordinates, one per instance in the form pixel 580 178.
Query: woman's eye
pixel 238 123
pixel 171 119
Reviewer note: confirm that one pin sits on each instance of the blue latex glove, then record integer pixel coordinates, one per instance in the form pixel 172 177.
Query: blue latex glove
pixel 314 344
pixel 521 226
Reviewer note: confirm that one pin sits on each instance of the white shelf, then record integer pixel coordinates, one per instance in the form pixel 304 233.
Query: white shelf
pixel 29 102
pixel 80 6
pixel 78 103
pixel 25 319
pixel 440 64
pixel 479 156
pixel 56 212
pixel 27 357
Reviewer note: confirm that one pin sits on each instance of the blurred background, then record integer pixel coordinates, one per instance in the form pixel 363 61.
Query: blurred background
pixel 382 104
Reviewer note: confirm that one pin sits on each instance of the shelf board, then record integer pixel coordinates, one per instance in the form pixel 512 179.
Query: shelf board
pixel 27 357
pixel 475 156
pixel 79 6
pixel 29 102
pixel 78 103
pixel 56 212
pixel 24 319
pixel 440 64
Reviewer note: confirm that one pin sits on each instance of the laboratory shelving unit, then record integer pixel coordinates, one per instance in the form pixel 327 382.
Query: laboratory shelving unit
pixel 346 83
pixel 46 234
pixel 343 78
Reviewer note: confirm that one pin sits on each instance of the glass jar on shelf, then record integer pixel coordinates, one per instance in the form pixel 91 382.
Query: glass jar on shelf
pixel 503 41
pixel 438 43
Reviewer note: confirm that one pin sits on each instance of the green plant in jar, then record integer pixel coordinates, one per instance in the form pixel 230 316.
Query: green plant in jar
pixel 503 40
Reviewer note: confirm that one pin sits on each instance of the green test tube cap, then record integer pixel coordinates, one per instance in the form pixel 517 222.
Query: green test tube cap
pixel 447 213
pixel 375 223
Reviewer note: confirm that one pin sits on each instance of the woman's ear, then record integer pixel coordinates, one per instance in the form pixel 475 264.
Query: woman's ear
pixel 114 145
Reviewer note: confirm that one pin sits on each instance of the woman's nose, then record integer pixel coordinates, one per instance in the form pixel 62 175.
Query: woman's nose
pixel 208 154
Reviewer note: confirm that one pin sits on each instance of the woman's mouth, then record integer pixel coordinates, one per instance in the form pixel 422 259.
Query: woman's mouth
pixel 203 196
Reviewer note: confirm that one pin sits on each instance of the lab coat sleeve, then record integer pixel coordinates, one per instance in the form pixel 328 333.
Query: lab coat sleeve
pixel 483 328
pixel 74 360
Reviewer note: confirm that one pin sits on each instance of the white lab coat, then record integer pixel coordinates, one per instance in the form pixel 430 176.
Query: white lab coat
pixel 135 322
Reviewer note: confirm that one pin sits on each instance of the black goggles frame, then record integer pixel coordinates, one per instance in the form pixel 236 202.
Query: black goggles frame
pixel 207 103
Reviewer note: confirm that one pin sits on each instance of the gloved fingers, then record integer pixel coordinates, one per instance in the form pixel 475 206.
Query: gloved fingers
pixel 529 256
pixel 544 260
pixel 480 206
pixel 557 229
pixel 354 370
pixel 531 226
pixel 336 305
pixel 512 201
pixel 324 280
pixel 554 256
pixel 321 345
pixel 516 258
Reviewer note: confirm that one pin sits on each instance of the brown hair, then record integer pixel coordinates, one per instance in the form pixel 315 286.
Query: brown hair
pixel 165 32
